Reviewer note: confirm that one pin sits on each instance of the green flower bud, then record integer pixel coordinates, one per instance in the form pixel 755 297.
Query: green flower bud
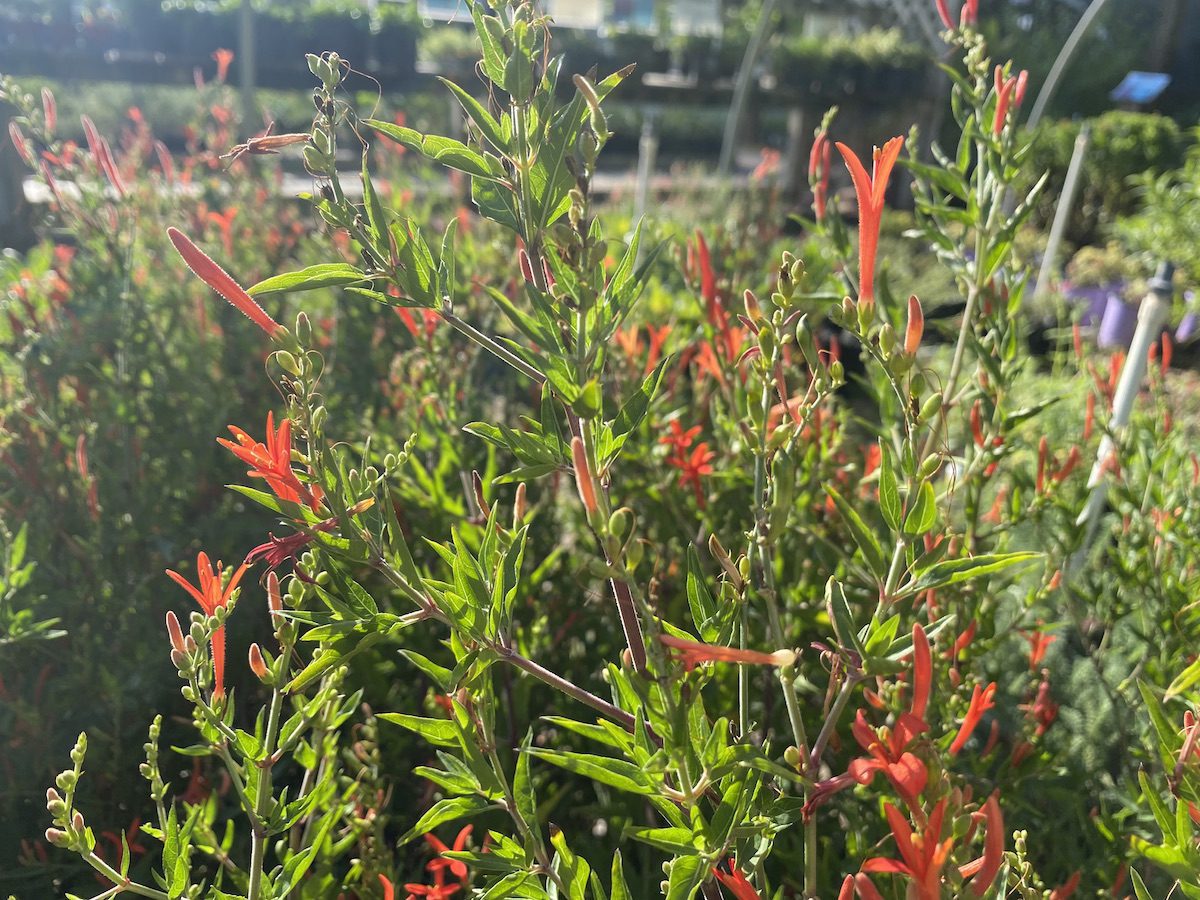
pixel 887 339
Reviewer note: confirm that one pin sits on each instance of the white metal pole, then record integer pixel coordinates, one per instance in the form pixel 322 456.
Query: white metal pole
pixel 1151 316
pixel 1066 202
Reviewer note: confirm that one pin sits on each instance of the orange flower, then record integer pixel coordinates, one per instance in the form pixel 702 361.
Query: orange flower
pixel 870 190
pixel 922 856
pixel 457 868
pixel 692 653
pixel 224 58
pixel 272 461
pixel 1009 90
pixel 221 282
pixel 981 702
pixel 212 593
pixel 983 871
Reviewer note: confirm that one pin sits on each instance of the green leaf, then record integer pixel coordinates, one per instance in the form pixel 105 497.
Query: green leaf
pixel 700 599
pixel 1184 680
pixel 1139 886
pixel 687 873
pixel 676 841
pixel 484 120
pixel 325 275
pixel 440 732
pixel 620 887
pixel 449 809
pixel 617 773
pixel 889 489
pixel 867 542
pixel 842 617
pixel 447 151
pixel 923 513
pixel 523 792
pixel 955 571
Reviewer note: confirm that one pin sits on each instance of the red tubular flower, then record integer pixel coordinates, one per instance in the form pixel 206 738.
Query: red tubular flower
pixel 1068 889
pixel 887 752
pixel 1039 643
pixel 1043 453
pixel 272 462
pixel 692 653
pixel 981 702
pixel 223 58
pixel 692 467
pixel 221 282
pixel 943 12
pixel 737 883
pixel 982 872
pixel 102 153
pixel 583 476
pixel 865 887
pixel 389 889
pixel 457 868
pixel 49 109
pixel 20 144
pixel 969 14
pixel 818 173
pixel 870 190
pixel 1009 91
pixel 922 856
pixel 210 595
pixel 922 673
pixel 977 424
pixel 708 278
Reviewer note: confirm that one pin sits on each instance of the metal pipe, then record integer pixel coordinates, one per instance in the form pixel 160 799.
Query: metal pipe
pixel 1062 213
pixel 741 87
pixel 1151 316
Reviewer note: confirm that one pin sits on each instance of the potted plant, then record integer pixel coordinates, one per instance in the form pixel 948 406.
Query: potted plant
pixel 1107 283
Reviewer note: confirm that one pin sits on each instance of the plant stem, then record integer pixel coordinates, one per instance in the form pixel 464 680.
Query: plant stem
pixel 487 343
pixel 567 687
pixel 123 883
pixel 258 835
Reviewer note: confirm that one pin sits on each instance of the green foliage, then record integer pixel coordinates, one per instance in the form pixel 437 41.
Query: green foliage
pixel 1122 145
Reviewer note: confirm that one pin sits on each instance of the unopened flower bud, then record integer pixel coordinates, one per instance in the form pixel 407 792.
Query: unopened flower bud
pixel 174 632
pixel 57 837
pixel 887 339
pixel 916 325
pixel 583 476
pixel 178 659
pixel 66 780
pixel 287 362
pixel 931 407
pixel 520 505
pixel 274 599
pixel 257 664
pixel 77 822
pixel 753 310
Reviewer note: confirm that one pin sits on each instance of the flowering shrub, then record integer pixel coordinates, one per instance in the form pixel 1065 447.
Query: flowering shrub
pixel 778 587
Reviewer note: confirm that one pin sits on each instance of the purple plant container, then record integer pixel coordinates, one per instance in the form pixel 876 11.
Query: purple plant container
pixel 1118 324
pixel 1187 328
pixel 1093 299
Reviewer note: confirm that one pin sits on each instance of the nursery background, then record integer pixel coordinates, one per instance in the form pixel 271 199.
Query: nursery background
pixel 599 449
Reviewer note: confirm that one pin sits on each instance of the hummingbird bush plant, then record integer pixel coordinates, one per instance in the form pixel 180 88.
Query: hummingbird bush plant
pixel 766 590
